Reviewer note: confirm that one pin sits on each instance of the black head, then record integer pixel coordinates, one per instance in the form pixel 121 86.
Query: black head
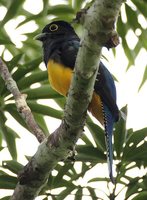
pixel 55 29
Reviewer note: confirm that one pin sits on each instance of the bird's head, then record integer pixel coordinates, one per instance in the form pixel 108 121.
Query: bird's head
pixel 53 36
pixel 55 30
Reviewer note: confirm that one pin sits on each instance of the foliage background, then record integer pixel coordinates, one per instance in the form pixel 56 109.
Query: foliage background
pixel 23 57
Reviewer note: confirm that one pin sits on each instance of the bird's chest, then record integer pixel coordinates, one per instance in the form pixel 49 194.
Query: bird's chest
pixel 59 77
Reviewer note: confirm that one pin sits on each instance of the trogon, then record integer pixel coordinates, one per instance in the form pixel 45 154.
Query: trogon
pixel 60 47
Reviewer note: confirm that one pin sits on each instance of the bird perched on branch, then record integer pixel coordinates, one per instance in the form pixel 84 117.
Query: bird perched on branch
pixel 60 47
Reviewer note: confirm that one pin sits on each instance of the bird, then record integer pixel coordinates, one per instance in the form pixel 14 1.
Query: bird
pixel 60 45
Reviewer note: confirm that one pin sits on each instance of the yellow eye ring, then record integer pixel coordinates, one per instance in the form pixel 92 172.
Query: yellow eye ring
pixel 53 27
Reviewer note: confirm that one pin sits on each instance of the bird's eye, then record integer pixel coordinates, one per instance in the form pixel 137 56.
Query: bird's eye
pixel 53 27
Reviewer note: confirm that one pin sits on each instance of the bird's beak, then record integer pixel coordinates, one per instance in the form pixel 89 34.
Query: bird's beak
pixel 41 36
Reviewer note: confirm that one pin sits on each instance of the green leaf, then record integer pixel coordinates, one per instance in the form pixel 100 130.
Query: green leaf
pixel 92 193
pixel 98 135
pixel 41 122
pixel 129 53
pixel 49 184
pixel 3 173
pixel 27 67
pixel 45 7
pixel 2 84
pixel 35 77
pixel 13 166
pixel 8 182
pixel 141 6
pixel 60 10
pixel 6 198
pixel 98 179
pixel 77 4
pixel 52 181
pixel 141 196
pixel 86 140
pixel 137 137
pixel 14 61
pixel 136 186
pixel 66 192
pixel 144 79
pixel 132 187
pixel 122 30
pixel 138 46
pixel 135 149
pixel 46 198
pixel 120 134
pixel 1 140
pixel 84 169
pixel 22 71
pixel 60 101
pixel 45 110
pixel 29 18
pixel 88 154
pixel 142 38
pixel 12 10
pixel 31 44
pixel 11 108
pixel 4 3
pixel 10 135
pixel 63 171
pixel 121 27
pixel 43 92
pixel 132 17
pixel 79 194
pixel 5 41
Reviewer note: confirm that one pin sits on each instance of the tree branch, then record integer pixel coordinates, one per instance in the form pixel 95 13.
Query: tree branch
pixel 20 100
pixel 98 29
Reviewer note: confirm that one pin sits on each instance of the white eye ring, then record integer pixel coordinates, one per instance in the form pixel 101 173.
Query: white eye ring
pixel 53 27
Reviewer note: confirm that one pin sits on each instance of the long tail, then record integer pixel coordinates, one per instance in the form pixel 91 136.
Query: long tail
pixel 108 123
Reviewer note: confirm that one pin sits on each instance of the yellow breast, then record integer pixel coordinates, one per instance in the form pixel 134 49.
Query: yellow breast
pixel 59 77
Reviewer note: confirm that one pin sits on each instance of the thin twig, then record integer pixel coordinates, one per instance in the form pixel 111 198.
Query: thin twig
pixel 21 104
